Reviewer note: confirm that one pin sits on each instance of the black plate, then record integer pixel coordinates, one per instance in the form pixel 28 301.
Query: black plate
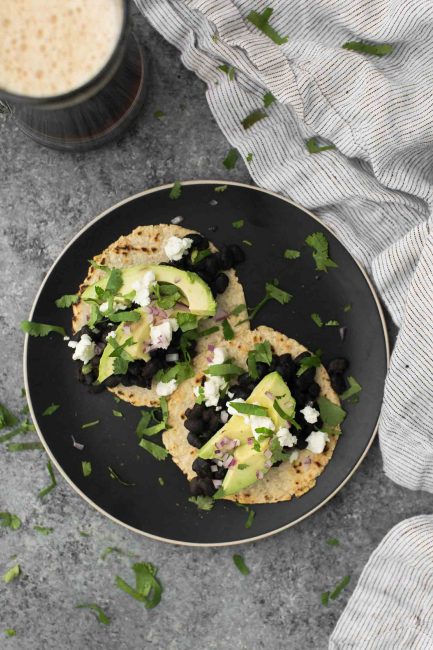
pixel 272 224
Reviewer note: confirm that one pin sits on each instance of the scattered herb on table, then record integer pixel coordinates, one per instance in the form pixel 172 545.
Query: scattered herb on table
pixel 161 480
pixel 116 477
pixel 220 188
pixel 339 588
pixel 249 157
pixel 10 632
pixel 86 425
pixel 24 446
pixel 228 69
pixel 313 146
pixel 86 467
pixel 9 520
pixel 247 242
pixel 325 598
pixel 99 612
pixel 12 573
pixel 316 318
pixel 238 224
pixel 7 419
pixel 44 491
pixel 227 330
pixel 291 254
pixel 51 409
pixel 67 300
pixel 347 307
pixel 353 390
pixel 148 589
pixel 176 190
pixel 250 518
pixel 366 48
pixel 231 158
pixel 40 329
pixel 43 530
pixel 333 541
pixel 158 452
pixel 252 118
pixel 268 99
pixel 240 564
pixel 202 502
pixel 319 243
pixel 117 414
pixel 158 114
pixel 83 533
pixel 332 323
pixel 261 21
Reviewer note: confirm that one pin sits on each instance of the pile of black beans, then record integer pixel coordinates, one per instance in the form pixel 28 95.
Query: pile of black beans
pixel 140 373
pixel 336 369
pixel 210 268
pixel 201 424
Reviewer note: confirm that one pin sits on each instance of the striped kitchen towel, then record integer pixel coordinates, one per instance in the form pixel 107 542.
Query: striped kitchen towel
pixel 374 189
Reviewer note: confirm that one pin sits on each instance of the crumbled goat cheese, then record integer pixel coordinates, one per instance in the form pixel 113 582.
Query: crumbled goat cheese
pixel 163 389
pixel 310 414
pixel 176 247
pixel 285 438
pixel 84 350
pixel 316 441
pixel 143 288
pixel 219 356
pixel 212 388
pixel 259 421
pixel 160 335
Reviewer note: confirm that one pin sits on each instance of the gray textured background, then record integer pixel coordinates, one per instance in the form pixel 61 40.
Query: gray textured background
pixel 45 197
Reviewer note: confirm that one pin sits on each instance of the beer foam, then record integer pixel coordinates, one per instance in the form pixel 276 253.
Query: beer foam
pixel 50 47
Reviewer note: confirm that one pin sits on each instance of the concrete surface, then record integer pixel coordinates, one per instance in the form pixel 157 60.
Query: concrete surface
pixel 45 197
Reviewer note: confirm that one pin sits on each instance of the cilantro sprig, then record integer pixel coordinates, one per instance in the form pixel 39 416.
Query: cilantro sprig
pixel 40 329
pixel 67 300
pixel 253 117
pixel 46 490
pixel 176 190
pixel 313 146
pixel 231 158
pixel 97 610
pixel 239 563
pixel 9 520
pixel 202 502
pixel 261 21
pixel 272 292
pixel 318 242
pixel 367 48
pixel 148 589
pixel 352 393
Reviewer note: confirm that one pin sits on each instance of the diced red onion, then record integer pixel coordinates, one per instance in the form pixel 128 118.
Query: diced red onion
pixel 218 451
pixel 176 220
pixel 307 461
pixel 217 483
pixel 221 314
pixel 250 441
pixel 268 453
pixel 219 463
pixel 268 464
pixel 342 332
pixel 211 347
pixel 227 463
pixel 127 329
pixel 233 462
pixel 174 356
pixel 214 468
pixel 237 442
pixel 224 416
pixel 209 359
pixel 259 475
pixel 76 444
pixel 269 394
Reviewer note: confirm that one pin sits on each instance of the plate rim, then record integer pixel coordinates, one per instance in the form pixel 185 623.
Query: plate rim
pixel 60 469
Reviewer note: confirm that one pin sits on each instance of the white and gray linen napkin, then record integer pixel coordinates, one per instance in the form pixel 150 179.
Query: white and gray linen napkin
pixel 375 189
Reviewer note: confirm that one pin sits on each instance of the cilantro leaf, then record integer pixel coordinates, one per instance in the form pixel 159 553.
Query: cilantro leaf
pixel 10 632
pixel 249 157
pixel 331 414
pixel 8 520
pixel 272 291
pixel 227 330
pixel 353 390
pixel 198 256
pixel 268 99
pixel 366 48
pixel 67 300
pixel 228 69
pixel 224 370
pixel 220 188
pixel 116 477
pixel 240 564
pixel 291 254
pixel 125 316
pixel 314 147
pixel 87 468
pixel 332 323
pixel 324 598
pixel 158 452
pixel 40 329
pixel 176 190
pixel 347 307
pixel 238 224
pixel 148 589
pixel 238 309
pixel 158 114
pixel 44 491
pixel 43 530
pixel 316 318
pixel 7 419
pixel 202 502
pixel 117 414
pixel 319 243
pixel 250 518
pixel 51 409
pixel 312 361
pixel 339 588
pixel 100 614
pixel 86 425
pixel 249 409
pixel 186 321
pixel 12 573
pixel 252 118
pixel 333 541
pixel 261 21
pixel 261 353
pixel 24 446
pixel 231 158
pixel 161 480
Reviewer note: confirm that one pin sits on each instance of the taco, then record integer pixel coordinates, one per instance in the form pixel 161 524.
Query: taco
pixel 258 423
pixel 145 307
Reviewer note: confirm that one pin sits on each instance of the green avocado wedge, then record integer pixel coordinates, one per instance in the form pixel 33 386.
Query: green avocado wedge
pixel 139 331
pixel 197 293
pixel 248 459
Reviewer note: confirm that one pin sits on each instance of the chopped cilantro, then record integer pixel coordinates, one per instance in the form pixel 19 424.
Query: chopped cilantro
pixel 249 157
pixel 7 419
pixel 268 99
pixel 250 518
pixel 312 361
pixel 228 69
pixel 116 477
pixel 240 564
pixel 261 21
pixel 316 318
pixel 186 321
pixel 83 533
pixel 67 300
pixel 181 371
pixel 43 530
pixel 176 190
pixel 220 188
pixel 238 310
pixel 249 409
pixel 227 330
pixel 203 502
pixel 291 254
pixel 314 147
pixel 333 541
pixel 278 408
pixel 331 414
pixel 252 118
pixel 148 589
pixel 272 292
pixel 262 353
pixel 230 160
pixel 238 224
pixel 9 631
pixel 353 390
pixel 87 467
pixel 159 114
pixel 8 520
pixel 117 414
pixel 24 446
pixel 366 48
pixel 242 466
pixel 40 329
pixel 325 598
pixel 339 588
pixel 224 370
pixel 319 243
pixel 12 573
pixel 198 256
pixel 100 614
pixel 86 425
pixel 44 491
pixel 158 452
pixel 51 409
pixel 332 323
pixel 125 316
pixel 161 480
pixel 247 242
pixel 347 307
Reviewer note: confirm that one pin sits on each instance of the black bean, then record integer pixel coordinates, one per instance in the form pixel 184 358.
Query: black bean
pixel 237 253
pixel 339 365
pixel 205 277
pixel 194 425
pixel 198 241
pixel 244 379
pixel 207 487
pixel 197 410
pixel 314 389
pixel 202 468
pixel 301 356
pixel 262 369
pixel 226 258
pixel 305 380
pixel 338 383
pixel 150 368
pixel 195 486
pixel 194 440
pixel 211 265
pixel 301 444
pixel 220 473
pixel 221 282
pixel 207 414
pixel 239 392
pixel 215 424
pixel 112 381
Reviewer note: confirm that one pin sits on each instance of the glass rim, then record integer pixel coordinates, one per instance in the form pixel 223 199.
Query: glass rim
pixel 7 96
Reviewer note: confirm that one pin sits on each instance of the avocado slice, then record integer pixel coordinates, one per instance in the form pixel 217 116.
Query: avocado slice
pixel 264 394
pixel 139 331
pixel 197 293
